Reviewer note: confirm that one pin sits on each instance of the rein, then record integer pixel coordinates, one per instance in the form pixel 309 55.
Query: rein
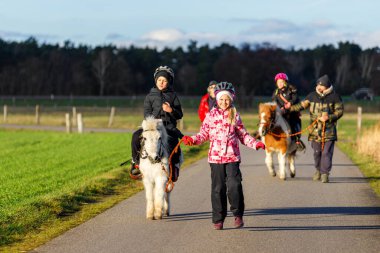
pixel 297 133
pixel 170 181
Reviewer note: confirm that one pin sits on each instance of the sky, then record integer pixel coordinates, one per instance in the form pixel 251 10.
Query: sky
pixel 287 24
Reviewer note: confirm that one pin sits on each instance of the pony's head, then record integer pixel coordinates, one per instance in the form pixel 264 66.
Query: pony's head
pixel 267 114
pixel 154 139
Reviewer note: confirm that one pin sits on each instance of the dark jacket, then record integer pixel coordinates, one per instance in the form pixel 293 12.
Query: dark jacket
pixel 290 94
pixel 330 103
pixel 153 107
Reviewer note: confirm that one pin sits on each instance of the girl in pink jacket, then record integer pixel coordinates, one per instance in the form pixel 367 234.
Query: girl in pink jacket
pixel 224 129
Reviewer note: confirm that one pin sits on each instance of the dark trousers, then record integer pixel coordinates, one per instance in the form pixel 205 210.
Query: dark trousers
pixel 136 146
pixel 323 159
pixel 226 182
pixel 295 127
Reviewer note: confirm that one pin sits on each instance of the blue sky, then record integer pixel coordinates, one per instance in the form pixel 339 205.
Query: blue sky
pixel 298 23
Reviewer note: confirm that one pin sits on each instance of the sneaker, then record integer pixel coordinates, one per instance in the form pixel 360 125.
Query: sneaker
pixel 317 175
pixel 218 226
pixel 238 222
pixel 325 178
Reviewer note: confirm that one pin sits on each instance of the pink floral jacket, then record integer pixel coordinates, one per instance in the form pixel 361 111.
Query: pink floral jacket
pixel 224 137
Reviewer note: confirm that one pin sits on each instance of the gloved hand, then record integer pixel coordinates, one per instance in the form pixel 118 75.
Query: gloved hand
pixel 260 145
pixel 188 141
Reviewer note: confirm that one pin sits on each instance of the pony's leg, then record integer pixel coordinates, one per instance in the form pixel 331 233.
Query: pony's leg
pixel 282 165
pixel 269 163
pixel 159 195
pixel 167 204
pixel 292 167
pixel 149 199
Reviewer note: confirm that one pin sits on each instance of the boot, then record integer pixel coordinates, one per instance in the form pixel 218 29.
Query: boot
pixel 175 173
pixel 300 145
pixel 325 178
pixel 135 172
pixel 317 175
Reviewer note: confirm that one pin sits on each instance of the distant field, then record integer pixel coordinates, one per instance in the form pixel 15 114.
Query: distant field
pixel 133 102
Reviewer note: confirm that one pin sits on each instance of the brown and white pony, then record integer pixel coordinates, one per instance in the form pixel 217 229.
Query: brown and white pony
pixel 275 133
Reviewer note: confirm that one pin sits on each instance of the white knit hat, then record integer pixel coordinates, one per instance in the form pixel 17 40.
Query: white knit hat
pixel 224 92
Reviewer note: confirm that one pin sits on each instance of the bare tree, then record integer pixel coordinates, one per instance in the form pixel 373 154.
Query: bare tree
pixel 366 61
pixel 318 64
pixel 342 70
pixel 100 68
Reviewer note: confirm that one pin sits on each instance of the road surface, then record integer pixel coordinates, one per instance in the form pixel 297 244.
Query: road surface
pixel 296 215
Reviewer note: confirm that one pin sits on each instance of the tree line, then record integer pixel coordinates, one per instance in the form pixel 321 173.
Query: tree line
pixel 29 68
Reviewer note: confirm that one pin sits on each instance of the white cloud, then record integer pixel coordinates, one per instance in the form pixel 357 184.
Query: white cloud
pixel 164 35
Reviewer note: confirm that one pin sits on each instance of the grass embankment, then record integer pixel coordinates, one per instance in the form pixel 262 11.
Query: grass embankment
pixel 362 149
pixel 51 182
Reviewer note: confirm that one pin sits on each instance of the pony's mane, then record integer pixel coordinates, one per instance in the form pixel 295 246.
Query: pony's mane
pixel 280 121
pixel 152 124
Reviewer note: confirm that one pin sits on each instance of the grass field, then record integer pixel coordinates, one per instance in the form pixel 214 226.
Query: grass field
pixel 47 176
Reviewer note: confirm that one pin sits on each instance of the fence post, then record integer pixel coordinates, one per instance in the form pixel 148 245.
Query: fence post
pixel 74 116
pixel 112 115
pixel 359 125
pixel 80 123
pixel 5 113
pixel 68 123
pixel 37 114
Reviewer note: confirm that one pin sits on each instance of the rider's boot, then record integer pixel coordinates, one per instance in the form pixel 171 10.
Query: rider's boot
pixel 300 145
pixel 175 172
pixel 135 172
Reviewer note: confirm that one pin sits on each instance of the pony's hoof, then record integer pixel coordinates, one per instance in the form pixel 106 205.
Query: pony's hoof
pixel 158 217
pixel 292 174
pixel 273 174
pixel 149 218
pixel 283 178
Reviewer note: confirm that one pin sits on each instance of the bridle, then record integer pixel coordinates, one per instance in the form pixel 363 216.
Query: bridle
pixel 268 126
pixel 144 153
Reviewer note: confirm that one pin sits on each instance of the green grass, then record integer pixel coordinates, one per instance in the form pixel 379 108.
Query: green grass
pixel 48 179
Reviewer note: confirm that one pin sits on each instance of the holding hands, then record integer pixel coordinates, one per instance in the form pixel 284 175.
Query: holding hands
pixel 188 141
pixel 260 145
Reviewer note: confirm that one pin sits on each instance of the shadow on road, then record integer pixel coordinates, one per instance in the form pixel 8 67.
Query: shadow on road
pixel 287 211
pixel 292 228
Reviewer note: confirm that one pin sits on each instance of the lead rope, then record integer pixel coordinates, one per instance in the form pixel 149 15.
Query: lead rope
pixel 323 136
pixel 170 184
pixel 289 135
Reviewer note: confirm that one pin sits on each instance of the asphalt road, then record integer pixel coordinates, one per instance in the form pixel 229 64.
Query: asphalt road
pixel 296 215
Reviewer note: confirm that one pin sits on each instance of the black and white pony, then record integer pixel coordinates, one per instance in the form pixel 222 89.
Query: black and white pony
pixel 154 166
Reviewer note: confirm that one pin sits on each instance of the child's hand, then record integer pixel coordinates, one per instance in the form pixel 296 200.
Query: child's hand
pixel 166 107
pixel 260 145
pixel 188 140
